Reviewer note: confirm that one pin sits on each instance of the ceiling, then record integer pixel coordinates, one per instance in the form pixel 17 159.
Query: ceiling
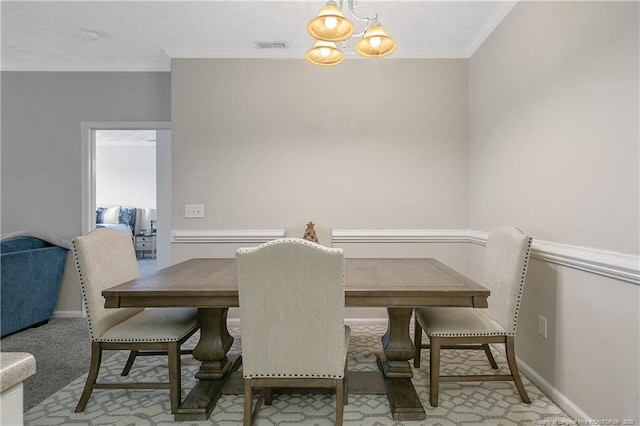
pixel 145 35
pixel 125 137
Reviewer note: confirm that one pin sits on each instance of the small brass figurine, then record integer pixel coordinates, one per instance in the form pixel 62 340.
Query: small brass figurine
pixel 310 233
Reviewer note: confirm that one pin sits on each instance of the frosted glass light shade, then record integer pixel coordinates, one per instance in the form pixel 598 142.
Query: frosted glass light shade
pixel 324 54
pixel 375 43
pixel 330 24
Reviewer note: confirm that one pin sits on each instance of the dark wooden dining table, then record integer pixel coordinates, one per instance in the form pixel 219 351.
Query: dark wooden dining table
pixel 399 285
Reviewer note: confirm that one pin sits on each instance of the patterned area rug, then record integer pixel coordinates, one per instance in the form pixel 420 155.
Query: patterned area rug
pixel 489 403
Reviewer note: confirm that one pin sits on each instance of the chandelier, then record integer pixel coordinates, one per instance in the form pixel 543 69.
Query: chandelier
pixel 331 26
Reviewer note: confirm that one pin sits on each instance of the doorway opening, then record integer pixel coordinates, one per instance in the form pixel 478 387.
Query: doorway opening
pixel 126 186
pixel 125 170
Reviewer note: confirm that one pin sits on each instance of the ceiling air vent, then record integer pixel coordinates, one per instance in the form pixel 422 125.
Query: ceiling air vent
pixel 271 44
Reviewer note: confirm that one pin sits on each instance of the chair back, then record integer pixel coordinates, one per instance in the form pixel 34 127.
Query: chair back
pixel 291 294
pixel 504 270
pixel 104 258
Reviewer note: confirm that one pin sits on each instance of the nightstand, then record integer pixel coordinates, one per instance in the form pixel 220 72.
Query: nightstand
pixel 145 244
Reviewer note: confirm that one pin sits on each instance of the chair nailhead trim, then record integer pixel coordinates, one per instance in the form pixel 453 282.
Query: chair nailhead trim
pixel 159 340
pixel 85 302
pixel 138 340
pixel 466 334
pixel 295 376
pixel 512 332
pixel 290 240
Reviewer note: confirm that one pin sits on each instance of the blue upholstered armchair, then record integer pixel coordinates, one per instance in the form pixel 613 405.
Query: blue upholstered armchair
pixel 30 276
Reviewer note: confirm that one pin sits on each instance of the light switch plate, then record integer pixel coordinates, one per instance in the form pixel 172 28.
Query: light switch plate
pixel 193 211
pixel 542 326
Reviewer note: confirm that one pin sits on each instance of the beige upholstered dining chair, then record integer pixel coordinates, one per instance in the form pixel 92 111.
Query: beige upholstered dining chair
pixel 105 258
pixel 291 294
pixel 503 271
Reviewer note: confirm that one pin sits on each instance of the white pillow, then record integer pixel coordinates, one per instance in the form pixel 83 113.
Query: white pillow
pixel 111 215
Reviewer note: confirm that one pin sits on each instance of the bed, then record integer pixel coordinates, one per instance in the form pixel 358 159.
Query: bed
pixel 130 220
pixel 117 226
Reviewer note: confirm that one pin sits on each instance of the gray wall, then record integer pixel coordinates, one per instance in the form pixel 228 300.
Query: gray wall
pixel 553 100
pixel 41 118
pixel 41 136
pixel 276 143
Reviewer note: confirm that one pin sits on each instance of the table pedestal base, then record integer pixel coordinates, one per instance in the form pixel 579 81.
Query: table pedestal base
pixel 212 348
pixel 202 399
pixel 215 342
pixel 403 398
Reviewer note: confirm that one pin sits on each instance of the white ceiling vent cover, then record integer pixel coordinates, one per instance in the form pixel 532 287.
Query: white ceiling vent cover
pixel 271 44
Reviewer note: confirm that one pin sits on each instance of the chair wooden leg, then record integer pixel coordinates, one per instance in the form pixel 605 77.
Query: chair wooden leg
pixel 339 401
pixel 487 351
pixel 345 385
pixel 417 341
pixel 92 376
pixel 129 364
pixel 510 349
pixel 434 371
pixel 248 403
pixel 268 396
pixel 175 376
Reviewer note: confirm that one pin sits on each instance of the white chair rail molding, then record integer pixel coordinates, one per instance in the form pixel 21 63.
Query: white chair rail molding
pixel 621 266
pixel 610 264
pixel 226 236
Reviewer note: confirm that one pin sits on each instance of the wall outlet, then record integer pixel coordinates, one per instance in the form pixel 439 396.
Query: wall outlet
pixel 193 211
pixel 542 326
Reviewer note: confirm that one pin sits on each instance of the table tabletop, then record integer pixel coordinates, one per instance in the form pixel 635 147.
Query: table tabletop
pixel 371 282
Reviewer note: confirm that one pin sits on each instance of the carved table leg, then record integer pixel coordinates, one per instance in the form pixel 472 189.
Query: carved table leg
pixel 398 350
pixel 215 342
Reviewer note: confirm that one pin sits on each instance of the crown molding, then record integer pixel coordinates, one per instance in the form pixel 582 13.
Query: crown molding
pixel 180 53
pixel 150 66
pixel 253 53
pixel 489 26
pixel 187 53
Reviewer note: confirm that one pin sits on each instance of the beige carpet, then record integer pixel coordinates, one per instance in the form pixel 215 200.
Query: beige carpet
pixel 491 403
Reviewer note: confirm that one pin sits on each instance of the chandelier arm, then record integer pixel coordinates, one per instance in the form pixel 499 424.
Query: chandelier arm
pixel 351 6
pixel 360 34
pixel 365 19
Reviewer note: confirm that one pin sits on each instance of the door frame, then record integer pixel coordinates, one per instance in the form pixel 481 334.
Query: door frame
pixel 163 178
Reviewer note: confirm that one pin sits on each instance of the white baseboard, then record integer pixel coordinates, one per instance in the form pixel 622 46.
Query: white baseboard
pixel 365 321
pixel 557 397
pixel 67 314
pixel 235 322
